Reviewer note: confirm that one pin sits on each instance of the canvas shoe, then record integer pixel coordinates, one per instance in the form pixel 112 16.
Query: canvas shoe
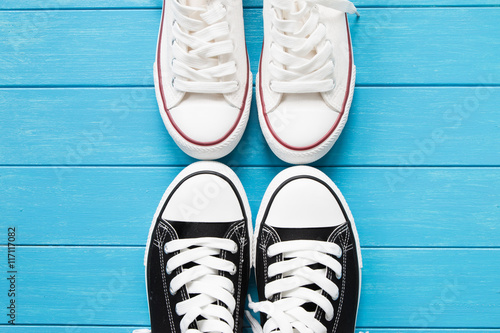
pixel 306 76
pixel 307 257
pixel 203 82
pixel 198 253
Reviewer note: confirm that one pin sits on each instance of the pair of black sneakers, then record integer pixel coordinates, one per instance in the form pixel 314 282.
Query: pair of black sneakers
pixel 201 249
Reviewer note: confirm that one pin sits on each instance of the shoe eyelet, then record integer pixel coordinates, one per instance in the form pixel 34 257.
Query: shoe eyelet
pixel 235 249
pixel 174 21
pixel 172 62
pixel 173 81
pixel 235 269
pixel 171 291
pixel 173 41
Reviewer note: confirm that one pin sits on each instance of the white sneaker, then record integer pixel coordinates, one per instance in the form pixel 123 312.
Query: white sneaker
pixel 306 76
pixel 202 75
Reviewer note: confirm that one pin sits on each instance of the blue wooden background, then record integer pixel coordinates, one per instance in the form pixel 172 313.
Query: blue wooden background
pixel 85 158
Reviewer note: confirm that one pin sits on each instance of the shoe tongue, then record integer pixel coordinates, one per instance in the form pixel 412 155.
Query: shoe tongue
pixel 196 3
pixel 200 229
pixel 319 234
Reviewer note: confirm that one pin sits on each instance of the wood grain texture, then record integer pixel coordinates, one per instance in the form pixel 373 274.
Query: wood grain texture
pixel 114 206
pixel 122 126
pixel 398 46
pixel 105 286
pixel 105 4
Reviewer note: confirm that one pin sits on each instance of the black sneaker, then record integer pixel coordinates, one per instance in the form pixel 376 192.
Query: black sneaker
pixel 198 253
pixel 307 257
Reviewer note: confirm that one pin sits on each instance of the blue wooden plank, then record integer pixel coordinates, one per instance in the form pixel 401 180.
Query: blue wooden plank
pixel 387 126
pixel 401 287
pixel 94 4
pixel 116 47
pixel 77 47
pixel 438 207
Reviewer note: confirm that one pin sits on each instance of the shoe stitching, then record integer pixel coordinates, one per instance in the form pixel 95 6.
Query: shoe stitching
pixel 162 263
pixel 344 238
pixel 242 241
pixel 329 272
pixel 264 238
pixel 173 234
pixel 264 247
pixel 240 278
pixel 275 237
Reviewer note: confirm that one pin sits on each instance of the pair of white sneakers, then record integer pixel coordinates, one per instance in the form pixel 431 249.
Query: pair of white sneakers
pixel 201 248
pixel 304 86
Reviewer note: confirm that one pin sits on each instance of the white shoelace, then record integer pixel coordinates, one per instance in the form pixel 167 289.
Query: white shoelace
pixel 301 55
pixel 286 314
pixel 202 49
pixel 213 298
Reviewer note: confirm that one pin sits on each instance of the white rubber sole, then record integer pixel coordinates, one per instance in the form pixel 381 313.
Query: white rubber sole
pixel 190 169
pixel 303 156
pixel 301 171
pixel 206 152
